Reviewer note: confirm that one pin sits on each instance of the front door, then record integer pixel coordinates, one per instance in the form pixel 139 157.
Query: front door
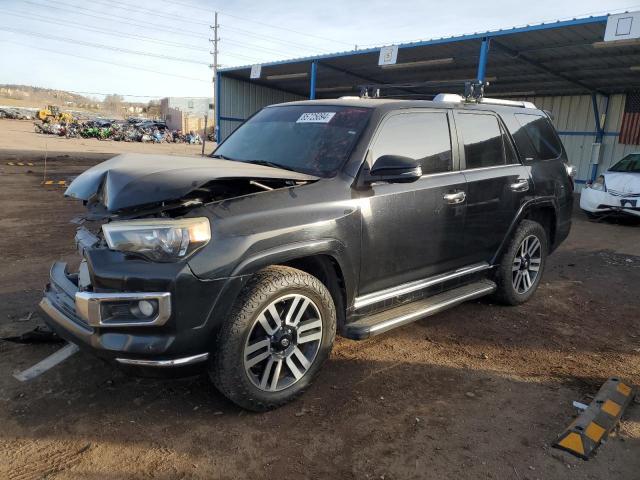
pixel 411 231
pixel 496 182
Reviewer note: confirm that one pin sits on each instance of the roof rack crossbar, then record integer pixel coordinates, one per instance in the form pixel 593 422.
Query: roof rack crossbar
pixel 455 98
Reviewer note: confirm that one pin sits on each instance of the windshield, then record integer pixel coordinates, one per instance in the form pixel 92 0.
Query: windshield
pixel 312 139
pixel 630 163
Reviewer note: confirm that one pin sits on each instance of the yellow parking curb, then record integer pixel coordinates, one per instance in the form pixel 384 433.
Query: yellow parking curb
pixel 593 425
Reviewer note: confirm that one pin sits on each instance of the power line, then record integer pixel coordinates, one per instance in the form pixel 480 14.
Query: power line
pixel 274 39
pixel 251 46
pixel 148 26
pixel 270 25
pixel 124 65
pixel 100 45
pixel 286 29
pixel 146 11
pixel 113 33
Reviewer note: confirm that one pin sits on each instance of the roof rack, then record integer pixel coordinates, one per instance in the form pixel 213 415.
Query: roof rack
pixel 455 98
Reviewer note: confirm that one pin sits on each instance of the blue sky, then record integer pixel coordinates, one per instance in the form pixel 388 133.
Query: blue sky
pixel 158 48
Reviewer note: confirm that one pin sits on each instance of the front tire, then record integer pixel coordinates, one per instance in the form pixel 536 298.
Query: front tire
pixel 280 332
pixel 522 264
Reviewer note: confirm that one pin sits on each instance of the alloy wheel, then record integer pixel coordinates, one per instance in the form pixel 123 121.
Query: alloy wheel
pixel 526 264
pixel 283 342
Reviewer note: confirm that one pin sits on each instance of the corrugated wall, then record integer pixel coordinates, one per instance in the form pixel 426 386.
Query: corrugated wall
pixel 575 121
pixel 239 100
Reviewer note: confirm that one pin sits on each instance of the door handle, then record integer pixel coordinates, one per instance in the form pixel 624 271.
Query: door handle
pixel 522 185
pixel 454 198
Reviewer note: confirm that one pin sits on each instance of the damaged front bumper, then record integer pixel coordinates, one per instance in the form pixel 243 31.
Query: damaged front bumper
pixel 110 325
pixel 603 202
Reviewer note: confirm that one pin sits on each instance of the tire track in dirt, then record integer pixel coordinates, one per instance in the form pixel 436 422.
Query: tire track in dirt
pixel 32 460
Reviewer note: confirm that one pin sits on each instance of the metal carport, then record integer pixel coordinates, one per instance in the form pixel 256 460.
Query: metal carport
pixel 565 67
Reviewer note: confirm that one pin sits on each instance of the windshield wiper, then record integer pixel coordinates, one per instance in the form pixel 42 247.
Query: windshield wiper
pixel 267 163
pixel 217 155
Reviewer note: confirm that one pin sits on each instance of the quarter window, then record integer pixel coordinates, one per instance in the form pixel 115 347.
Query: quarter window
pixel 423 136
pixel 536 139
pixel 483 139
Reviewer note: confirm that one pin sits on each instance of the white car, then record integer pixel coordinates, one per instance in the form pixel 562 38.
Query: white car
pixel 615 191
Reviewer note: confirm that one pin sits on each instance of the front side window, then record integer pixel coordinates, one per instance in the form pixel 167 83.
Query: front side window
pixel 313 139
pixel 423 136
pixel 483 140
pixel 630 163
pixel 536 139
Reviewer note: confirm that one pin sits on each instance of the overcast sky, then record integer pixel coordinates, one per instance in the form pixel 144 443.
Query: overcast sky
pixel 160 48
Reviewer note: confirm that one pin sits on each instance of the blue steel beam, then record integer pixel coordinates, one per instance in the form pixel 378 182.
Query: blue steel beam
pixel 438 41
pixel 596 114
pixel 314 74
pixel 482 61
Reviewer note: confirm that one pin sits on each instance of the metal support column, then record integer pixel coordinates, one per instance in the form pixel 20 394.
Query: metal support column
pixel 312 87
pixel 217 106
pixel 595 156
pixel 482 62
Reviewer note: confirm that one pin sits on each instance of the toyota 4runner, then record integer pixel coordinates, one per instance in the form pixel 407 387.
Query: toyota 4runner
pixel 350 216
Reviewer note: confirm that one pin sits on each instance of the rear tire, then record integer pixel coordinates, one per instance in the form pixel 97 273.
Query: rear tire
pixel 522 264
pixel 272 346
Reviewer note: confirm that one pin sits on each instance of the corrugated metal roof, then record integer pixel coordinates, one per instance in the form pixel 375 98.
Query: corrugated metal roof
pixel 546 59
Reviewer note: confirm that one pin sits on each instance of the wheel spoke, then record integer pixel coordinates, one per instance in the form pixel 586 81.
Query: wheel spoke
pixel 275 315
pixel 276 375
pixel 534 245
pixel 266 373
pixel 312 337
pixel 291 310
pixel 250 362
pixel 534 268
pixel 266 325
pixel 303 360
pixel 527 280
pixel 254 347
pixel 310 325
pixel 516 265
pixel 516 279
pixel 303 308
pixel 294 369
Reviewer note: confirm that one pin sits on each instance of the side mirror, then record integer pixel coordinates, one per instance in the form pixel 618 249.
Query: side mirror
pixel 395 169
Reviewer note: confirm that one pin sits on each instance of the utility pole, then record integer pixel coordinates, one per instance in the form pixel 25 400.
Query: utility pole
pixel 215 40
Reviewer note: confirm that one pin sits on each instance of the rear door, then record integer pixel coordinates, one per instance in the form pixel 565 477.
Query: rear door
pixel 497 182
pixel 410 230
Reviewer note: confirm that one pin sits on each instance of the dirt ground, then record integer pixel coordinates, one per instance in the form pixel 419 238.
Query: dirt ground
pixel 480 391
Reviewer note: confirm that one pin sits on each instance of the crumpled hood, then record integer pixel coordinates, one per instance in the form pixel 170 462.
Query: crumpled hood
pixel 131 180
pixel 623 182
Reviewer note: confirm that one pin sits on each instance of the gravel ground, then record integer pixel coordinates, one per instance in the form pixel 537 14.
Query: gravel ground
pixel 479 391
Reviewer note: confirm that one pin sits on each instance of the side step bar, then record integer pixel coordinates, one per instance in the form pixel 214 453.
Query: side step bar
pixel 396 317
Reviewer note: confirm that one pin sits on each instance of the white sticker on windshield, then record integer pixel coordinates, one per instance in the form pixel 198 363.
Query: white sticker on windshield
pixel 316 117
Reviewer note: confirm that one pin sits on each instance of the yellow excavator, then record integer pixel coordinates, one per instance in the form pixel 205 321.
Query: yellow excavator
pixel 53 114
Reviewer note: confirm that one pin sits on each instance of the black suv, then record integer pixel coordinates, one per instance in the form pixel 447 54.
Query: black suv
pixel 353 216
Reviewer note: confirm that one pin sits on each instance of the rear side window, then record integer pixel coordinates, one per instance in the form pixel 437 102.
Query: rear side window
pixel 483 139
pixel 536 138
pixel 423 136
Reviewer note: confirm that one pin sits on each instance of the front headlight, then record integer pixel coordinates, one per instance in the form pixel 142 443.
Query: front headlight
pixel 599 184
pixel 158 239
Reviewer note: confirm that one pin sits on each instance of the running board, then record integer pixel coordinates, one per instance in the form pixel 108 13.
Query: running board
pixel 398 316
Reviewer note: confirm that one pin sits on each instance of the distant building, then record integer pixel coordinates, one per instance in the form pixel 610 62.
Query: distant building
pixel 186 113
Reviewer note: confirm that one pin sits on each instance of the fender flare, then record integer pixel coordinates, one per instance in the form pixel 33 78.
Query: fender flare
pixel 522 211
pixel 293 251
